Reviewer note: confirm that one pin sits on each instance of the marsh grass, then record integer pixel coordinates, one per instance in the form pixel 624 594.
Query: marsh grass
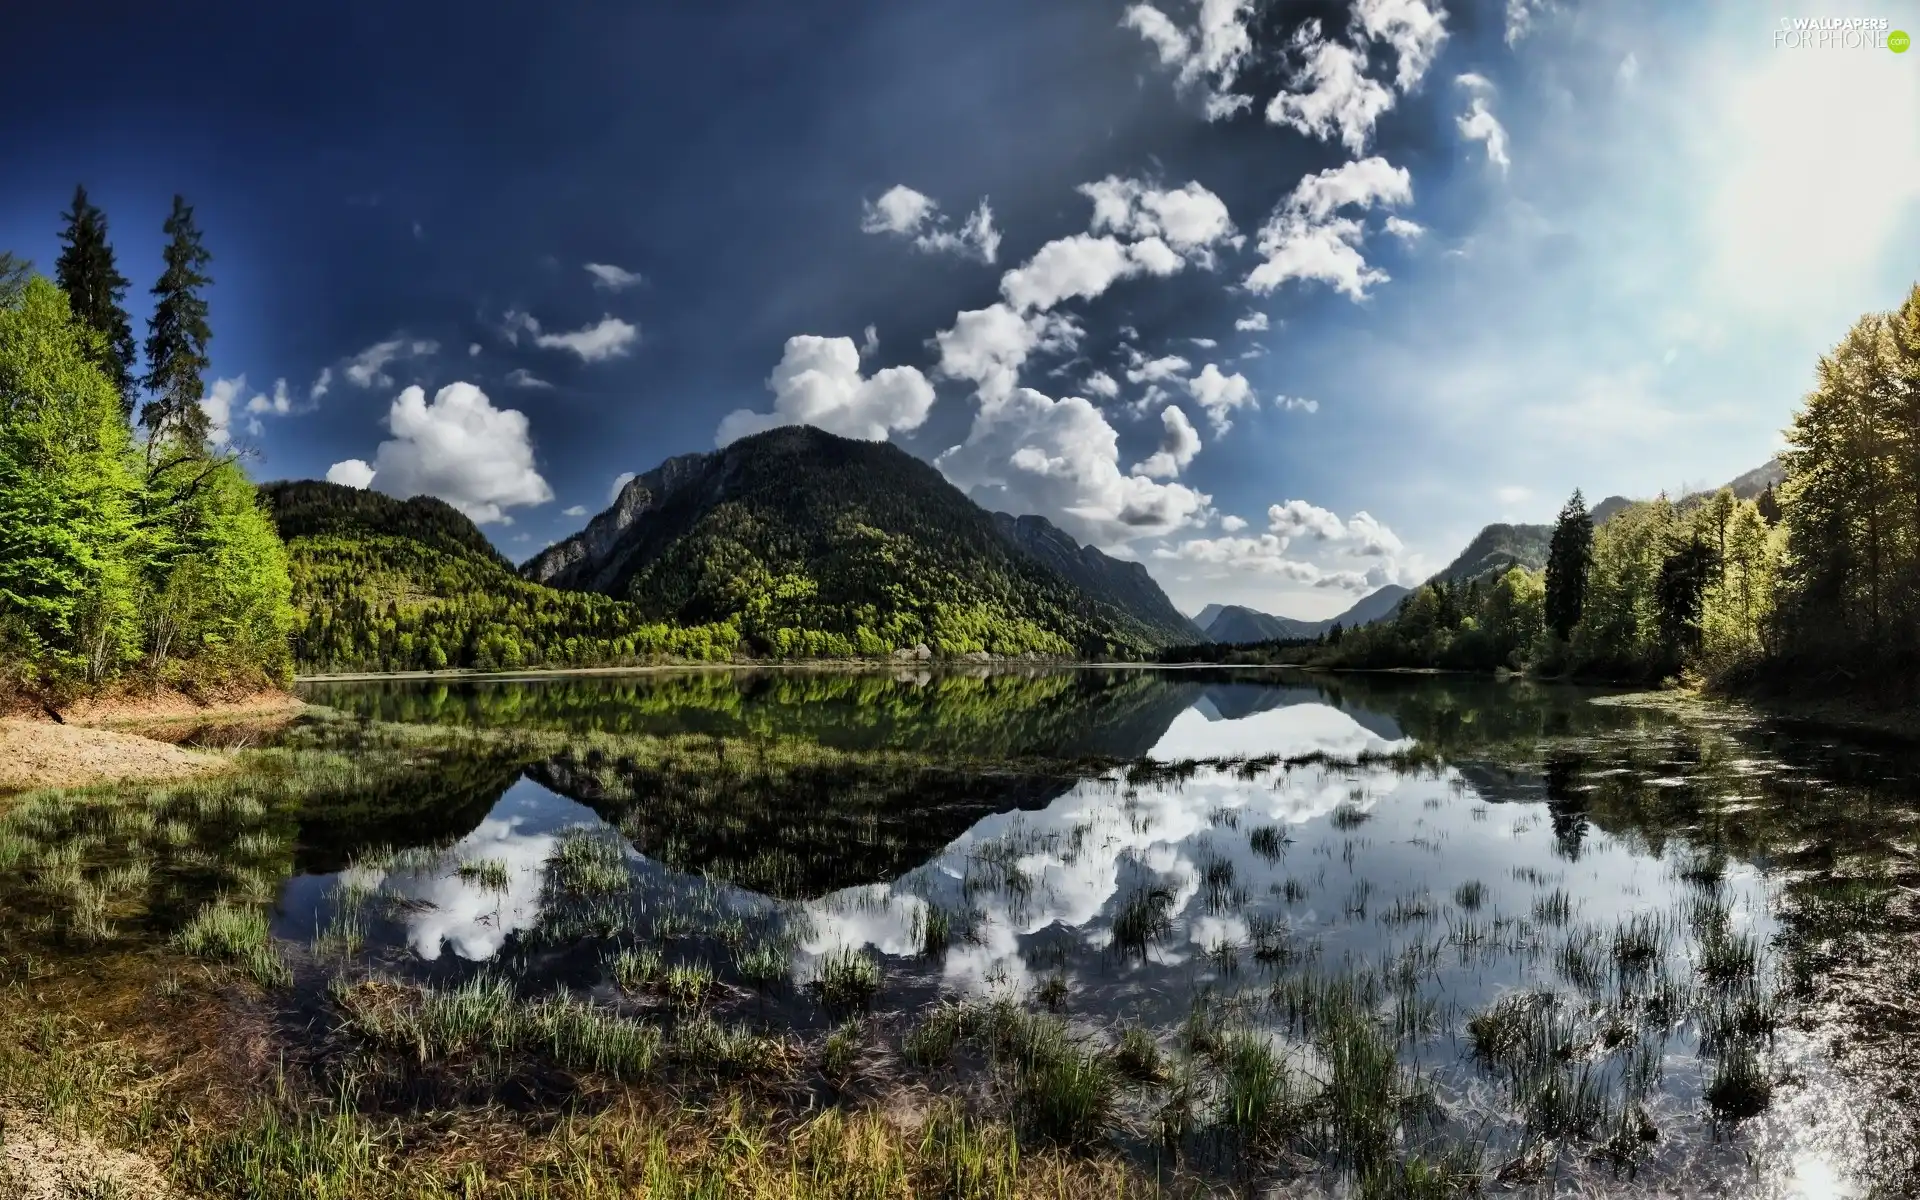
pixel 846 979
pixel 238 936
pixel 1144 917
pixel 1470 895
pixel 487 874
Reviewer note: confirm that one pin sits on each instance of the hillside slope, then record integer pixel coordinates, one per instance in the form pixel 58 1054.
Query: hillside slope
pixel 1125 585
pixel 381 584
pixel 812 543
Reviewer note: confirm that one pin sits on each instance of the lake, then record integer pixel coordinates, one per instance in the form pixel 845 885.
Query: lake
pixel 1313 928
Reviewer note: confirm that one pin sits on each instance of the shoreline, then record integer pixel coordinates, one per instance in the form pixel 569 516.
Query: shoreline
pixel 107 740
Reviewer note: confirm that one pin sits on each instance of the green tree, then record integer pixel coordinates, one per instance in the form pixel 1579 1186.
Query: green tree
pixel 97 290
pixel 14 273
pixel 1569 559
pixel 67 601
pixel 177 335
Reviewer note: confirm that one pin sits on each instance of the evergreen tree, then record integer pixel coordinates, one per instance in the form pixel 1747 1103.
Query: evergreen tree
pixel 14 273
pixel 96 288
pixel 1769 506
pixel 1680 592
pixel 1569 558
pixel 177 334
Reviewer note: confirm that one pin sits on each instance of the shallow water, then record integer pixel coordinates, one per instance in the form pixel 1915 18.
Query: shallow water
pixel 1708 916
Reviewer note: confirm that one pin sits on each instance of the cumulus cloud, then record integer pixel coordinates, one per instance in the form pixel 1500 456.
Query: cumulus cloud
pixel 612 278
pixel 1305 239
pixel 1081 266
pixel 1478 124
pixel 368 368
pixel 353 473
pixel 321 383
pixel 1330 96
pixel 1209 54
pixel 1404 229
pixel 1157 370
pixel 520 377
pixel 279 402
pixel 1233 524
pixel 1277 552
pixel 576 510
pixel 218 407
pixel 818 383
pixel 1191 220
pixel 988 346
pixel 1101 384
pixel 1297 518
pixel 610 338
pixel 619 485
pixel 1178 444
pixel 1220 395
pixel 1296 404
pixel 458 447
pixel 904 212
pixel 1253 322
pixel 1413 30
pixel 1520 15
pixel 1032 453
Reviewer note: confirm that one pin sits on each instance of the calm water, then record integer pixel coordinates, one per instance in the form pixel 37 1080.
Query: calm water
pixel 1700 928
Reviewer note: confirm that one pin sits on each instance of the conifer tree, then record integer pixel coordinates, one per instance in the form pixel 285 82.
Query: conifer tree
pixel 1569 558
pixel 177 334
pixel 14 273
pixel 95 288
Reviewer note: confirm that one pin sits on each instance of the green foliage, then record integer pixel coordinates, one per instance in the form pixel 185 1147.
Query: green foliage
pixel 97 290
pixel 1569 558
pixel 177 333
pixel 107 563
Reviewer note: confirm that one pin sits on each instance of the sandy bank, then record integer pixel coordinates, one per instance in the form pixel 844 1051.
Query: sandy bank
pixel 119 739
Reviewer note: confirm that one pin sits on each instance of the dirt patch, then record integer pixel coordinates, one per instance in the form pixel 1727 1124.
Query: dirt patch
pixel 147 708
pixel 37 754
pixel 38 1162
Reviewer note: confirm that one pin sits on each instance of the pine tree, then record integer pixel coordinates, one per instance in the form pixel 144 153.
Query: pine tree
pixel 177 334
pixel 1569 558
pixel 14 273
pixel 96 288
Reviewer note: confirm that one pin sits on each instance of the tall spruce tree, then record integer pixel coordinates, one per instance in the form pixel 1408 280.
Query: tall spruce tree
pixel 1569 558
pixel 95 288
pixel 177 334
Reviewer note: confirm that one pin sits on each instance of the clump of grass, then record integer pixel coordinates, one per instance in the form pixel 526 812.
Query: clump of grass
pixel 238 936
pixel 841 1052
pixel 1068 1095
pixel 1293 891
pixel 932 1042
pixel 1268 841
pixel 934 926
pixel 1728 959
pixel 1639 942
pixel 584 863
pixel 688 985
pixel 635 970
pixel 1553 910
pixel 487 874
pixel 1052 993
pixel 1144 917
pixel 1740 1088
pixel 1259 1104
pixel 763 964
pixel 1347 815
pixel 582 1037
pixel 1470 895
pixel 704 1043
pixel 1137 1056
pixel 848 978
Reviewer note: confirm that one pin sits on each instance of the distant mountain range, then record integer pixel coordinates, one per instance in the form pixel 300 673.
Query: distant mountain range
pixel 844 532
pixel 1492 551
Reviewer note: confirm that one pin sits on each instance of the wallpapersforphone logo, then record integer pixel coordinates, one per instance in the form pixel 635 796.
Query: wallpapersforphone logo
pixel 1839 33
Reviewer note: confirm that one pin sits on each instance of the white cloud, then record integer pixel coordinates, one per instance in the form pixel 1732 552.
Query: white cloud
pixel 520 377
pixel 1296 404
pixel 612 278
pixel 577 510
pixel 1178 444
pixel 1158 370
pixel 368 368
pixel 1220 395
pixel 1404 229
pixel 1478 124
pixel 1331 95
pixel 1212 52
pixel 1205 343
pixel 473 349
pixel 1077 267
pixel 988 346
pixel 353 473
pixel 1297 518
pixel 1253 322
pixel 279 403
pixel 818 383
pixel 515 322
pixel 1190 219
pixel 619 485
pixel 1520 17
pixel 903 212
pixel 611 338
pixel 869 342
pixel 1101 384
pixel 1410 27
pixel 218 407
pixel 1232 524
pixel 1031 453
pixel 321 383
pixel 1628 70
pixel 1305 240
pixel 459 448
pixel 1368 538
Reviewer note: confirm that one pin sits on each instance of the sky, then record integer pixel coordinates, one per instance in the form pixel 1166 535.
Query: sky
pixel 1284 300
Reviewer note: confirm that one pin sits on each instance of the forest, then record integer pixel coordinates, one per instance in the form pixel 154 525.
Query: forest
pixel 130 548
pixel 1813 587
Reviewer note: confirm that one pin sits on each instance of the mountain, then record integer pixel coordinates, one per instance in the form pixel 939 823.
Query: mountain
pixel 1236 625
pixel 1204 618
pixel 1498 547
pixel 1771 473
pixel 809 542
pixel 1125 585
pixel 309 509
pixel 1374 606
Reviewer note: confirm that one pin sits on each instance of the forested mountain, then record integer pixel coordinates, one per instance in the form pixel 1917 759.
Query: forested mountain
pixel 811 543
pixel 1204 618
pixel 1498 547
pixel 1235 625
pixel 381 584
pixel 1125 585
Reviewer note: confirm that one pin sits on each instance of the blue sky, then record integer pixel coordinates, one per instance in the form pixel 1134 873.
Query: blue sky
pixel 1284 300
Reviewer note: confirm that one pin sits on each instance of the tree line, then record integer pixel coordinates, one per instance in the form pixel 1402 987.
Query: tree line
pixel 1814 585
pixel 129 547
